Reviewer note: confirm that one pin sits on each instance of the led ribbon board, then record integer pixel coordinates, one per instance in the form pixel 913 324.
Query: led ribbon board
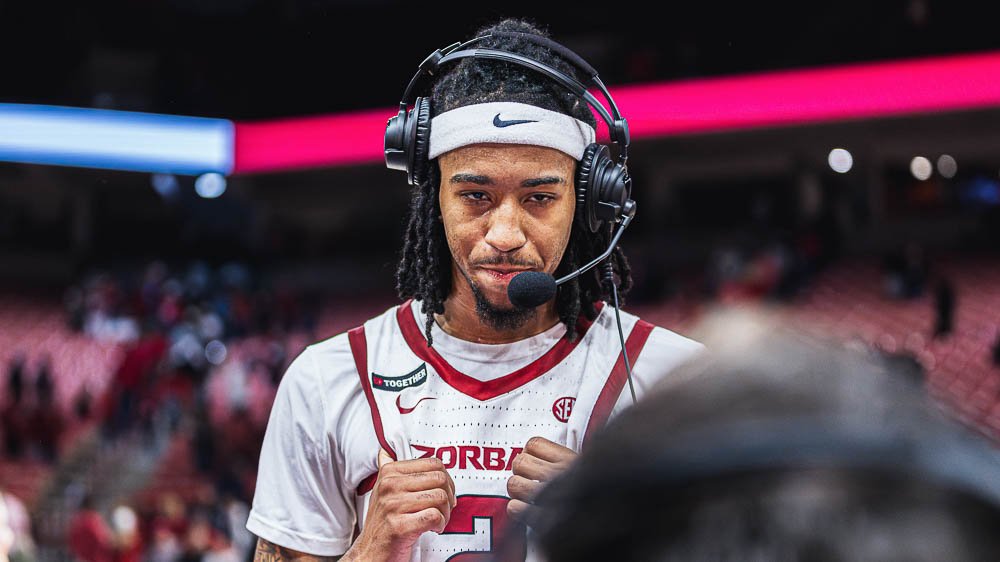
pixel 730 103
pixel 193 145
pixel 120 140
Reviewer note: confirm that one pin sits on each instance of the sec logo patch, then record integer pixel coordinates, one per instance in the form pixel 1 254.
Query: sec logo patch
pixel 563 407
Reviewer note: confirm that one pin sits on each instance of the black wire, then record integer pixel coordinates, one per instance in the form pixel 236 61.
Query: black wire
pixel 621 338
pixel 608 278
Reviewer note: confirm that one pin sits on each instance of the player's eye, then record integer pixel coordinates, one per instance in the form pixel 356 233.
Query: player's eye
pixel 475 195
pixel 541 197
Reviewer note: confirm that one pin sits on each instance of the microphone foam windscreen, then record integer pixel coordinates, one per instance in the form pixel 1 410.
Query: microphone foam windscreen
pixel 531 289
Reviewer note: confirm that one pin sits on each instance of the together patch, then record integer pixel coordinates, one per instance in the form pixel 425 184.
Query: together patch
pixel 415 377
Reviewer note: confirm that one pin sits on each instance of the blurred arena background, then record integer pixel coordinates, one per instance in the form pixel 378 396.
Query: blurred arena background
pixel 837 162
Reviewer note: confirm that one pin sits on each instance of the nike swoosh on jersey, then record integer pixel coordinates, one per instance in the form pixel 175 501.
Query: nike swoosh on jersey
pixel 497 122
pixel 405 411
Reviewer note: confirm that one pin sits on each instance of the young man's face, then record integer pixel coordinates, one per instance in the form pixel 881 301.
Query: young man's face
pixel 506 208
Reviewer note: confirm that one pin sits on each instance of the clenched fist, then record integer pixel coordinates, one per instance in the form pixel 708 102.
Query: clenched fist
pixel 539 462
pixel 410 498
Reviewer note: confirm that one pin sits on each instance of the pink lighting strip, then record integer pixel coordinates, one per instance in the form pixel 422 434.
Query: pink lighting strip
pixel 771 99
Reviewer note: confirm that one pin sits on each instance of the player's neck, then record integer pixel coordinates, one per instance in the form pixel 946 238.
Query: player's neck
pixel 461 320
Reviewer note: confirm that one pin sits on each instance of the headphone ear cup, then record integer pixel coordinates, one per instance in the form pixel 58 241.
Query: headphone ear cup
pixel 587 188
pixel 421 140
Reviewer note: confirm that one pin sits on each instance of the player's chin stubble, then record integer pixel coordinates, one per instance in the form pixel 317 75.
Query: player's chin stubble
pixel 500 319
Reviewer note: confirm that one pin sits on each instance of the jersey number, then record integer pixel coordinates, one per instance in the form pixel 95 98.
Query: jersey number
pixel 494 510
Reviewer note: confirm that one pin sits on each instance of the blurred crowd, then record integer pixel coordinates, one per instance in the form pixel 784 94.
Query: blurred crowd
pixel 203 352
pixel 204 349
pixel 190 304
pixel 179 327
pixel 31 423
pixel 208 529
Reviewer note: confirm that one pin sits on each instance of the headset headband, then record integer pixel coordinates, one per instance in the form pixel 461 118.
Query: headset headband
pixel 617 125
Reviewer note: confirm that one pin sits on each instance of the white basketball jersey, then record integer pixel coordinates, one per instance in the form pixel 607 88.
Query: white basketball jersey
pixel 421 406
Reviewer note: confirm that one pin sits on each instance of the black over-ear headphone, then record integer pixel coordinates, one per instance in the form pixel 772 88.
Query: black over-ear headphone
pixel 603 185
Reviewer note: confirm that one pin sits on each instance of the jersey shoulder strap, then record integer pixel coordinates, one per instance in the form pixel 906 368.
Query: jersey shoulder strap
pixel 378 333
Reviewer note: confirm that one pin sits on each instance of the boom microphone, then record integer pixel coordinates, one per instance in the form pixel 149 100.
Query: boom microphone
pixel 531 289
pixel 534 288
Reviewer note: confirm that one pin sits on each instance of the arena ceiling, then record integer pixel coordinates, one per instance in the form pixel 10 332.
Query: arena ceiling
pixel 260 59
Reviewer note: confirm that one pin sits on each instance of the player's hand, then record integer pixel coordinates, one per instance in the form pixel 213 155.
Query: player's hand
pixel 410 498
pixel 540 461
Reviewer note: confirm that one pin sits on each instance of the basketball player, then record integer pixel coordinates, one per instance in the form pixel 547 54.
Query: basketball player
pixel 419 434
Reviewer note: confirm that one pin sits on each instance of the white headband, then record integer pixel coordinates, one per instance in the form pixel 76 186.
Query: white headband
pixel 509 123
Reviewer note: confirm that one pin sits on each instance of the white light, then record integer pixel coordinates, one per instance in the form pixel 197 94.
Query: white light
pixel 947 166
pixel 210 185
pixel 215 352
pixel 840 160
pixel 165 184
pixel 920 167
pixel 100 138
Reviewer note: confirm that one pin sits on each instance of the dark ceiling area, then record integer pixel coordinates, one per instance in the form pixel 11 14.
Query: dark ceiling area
pixel 258 59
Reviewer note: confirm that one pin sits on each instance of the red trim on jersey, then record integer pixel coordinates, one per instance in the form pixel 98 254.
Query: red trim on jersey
pixel 618 378
pixel 367 484
pixel 482 390
pixel 359 348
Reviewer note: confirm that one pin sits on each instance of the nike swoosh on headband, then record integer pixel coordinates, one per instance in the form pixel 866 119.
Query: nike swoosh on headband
pixel 497 122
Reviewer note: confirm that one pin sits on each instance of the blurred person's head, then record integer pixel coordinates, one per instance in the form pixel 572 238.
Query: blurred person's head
pixel 45 361
pixel 87 502
pixel 171 506
pixel 773 447
pixel 17 361
pixel 15 376
pixel 199 535
pixel 125 524
pixel 6 532
pixel 478 214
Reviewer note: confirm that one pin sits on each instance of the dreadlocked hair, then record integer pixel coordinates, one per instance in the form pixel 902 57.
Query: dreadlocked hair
pixel 424 270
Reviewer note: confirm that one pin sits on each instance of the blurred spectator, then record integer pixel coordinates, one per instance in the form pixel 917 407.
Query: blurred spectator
pixel 15 377
pixel 944 307
pixel 90 537
pixel 45 420
pixel 6 532
pixel 83 404
pixel 171 514
pixel 165 546
pixel 75 309
pixel 43 379
pixel 204 442
pixel 197 541
pixel 906 272
pixel 243 541
pixel 771 271
pixel 132 376
pixel 207 542
pixel 774 447
pixel 128 543
pixel 14 413
pixel 277 359
pixel 209 535
pixel 16 544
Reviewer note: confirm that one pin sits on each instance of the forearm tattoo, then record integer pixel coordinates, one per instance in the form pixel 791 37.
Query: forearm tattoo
pixel 270 552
